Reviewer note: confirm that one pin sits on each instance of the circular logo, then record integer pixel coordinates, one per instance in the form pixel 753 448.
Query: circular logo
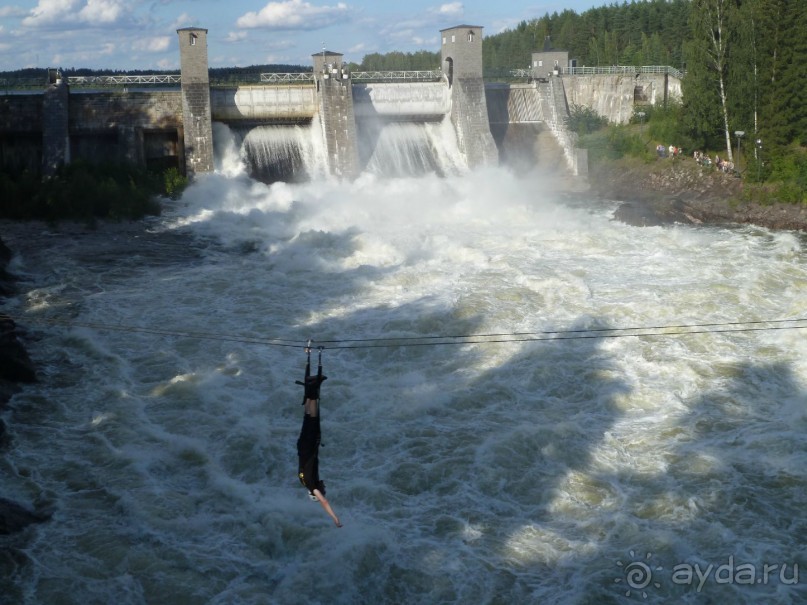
pixel 638 575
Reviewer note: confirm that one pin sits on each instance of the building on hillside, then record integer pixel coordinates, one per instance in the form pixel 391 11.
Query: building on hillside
pixel 549 61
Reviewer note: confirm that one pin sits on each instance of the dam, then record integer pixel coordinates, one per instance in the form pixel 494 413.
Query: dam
pixel 330 117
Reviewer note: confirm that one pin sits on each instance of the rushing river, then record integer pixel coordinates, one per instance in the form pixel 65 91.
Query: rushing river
pixel 547 464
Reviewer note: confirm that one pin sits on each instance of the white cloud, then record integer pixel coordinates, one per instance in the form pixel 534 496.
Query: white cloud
pixel 184 20
pixel 155 44
pixel 102 11
pixel 87 12
pixel 358 48
pixel 428 43
pixel 11 11
pixel 236 36
pixel 452 9
pixel 294 14
pixel 49 11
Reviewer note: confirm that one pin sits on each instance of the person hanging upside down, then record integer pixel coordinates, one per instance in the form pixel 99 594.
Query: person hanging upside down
pixel 309 440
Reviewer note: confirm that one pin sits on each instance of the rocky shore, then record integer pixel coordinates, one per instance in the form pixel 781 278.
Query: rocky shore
pixel 680 191
pixel 16 368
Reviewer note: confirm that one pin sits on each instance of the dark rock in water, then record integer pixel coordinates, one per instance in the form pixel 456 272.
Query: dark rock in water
pixel 6 279
pixel 5 254
pixel 15 517
pixel 654 213
pixel 7 389
pixel 15 364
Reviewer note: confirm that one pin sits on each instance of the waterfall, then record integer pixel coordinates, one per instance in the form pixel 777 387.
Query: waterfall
pixel 399 149
pixel 271 153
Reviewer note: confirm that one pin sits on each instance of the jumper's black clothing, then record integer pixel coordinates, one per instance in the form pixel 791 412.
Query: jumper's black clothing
pixel 308 453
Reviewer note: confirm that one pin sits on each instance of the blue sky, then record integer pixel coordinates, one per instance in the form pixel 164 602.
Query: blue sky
pixel 141 34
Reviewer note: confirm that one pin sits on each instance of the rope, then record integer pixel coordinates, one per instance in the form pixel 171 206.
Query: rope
pixel 448 340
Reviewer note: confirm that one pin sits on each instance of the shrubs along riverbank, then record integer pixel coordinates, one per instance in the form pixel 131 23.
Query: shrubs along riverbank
pixel 88 192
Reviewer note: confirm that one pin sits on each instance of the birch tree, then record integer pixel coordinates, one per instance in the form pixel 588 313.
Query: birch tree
pixel 712 38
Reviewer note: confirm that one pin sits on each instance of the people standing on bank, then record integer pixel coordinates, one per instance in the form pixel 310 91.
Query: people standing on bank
pixel 310 436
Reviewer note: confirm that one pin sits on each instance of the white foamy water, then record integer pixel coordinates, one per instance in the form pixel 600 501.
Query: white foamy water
pixel 530 472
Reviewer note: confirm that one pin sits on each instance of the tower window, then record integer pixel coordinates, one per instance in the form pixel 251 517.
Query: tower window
pixel 470 36
pixel 193 39
pixel 453 38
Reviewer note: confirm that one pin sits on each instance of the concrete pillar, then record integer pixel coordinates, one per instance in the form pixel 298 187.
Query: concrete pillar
pixel 581 155
pixel 55 134
pixel 461 55
pixel 196 119
pixel 338 119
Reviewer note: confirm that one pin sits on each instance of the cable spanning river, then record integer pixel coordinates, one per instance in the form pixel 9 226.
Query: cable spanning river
pixel 666 468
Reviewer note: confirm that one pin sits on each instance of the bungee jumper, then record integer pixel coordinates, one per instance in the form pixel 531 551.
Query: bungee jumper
pixel 310 437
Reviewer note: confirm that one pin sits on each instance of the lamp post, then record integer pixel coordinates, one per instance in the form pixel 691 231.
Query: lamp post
pixel 739 134
pixel 758 153
pixel 641 115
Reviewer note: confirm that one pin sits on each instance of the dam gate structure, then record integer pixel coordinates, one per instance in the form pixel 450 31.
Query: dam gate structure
pixel 166 121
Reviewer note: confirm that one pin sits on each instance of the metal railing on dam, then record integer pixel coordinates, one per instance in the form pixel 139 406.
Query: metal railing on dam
pixel 287 78
pixel 622 69
pixel 610 70
pixel 17 84
pixel 399 75
pixel 123 80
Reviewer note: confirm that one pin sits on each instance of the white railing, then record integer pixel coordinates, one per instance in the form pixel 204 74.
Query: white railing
pixel 278 78
pixel 623 69
pixel 122 80
pixel 381 76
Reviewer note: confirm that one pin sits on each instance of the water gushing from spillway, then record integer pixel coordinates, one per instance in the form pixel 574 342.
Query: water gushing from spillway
pixel 271 153
pixel 410 149
pixel 530 472
pixel 297 154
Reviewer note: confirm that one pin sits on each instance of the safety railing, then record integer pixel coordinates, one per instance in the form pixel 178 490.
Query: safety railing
pixel 397 75
pixel 280 78
pixel 123 80
pixel 623 69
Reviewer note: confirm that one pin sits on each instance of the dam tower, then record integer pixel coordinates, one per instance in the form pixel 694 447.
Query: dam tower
pixel 196 115
pixel 461 57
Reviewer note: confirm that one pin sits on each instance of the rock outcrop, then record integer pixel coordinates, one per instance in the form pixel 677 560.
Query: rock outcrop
pixel 15 364
pixel 681 191
pixel 15 367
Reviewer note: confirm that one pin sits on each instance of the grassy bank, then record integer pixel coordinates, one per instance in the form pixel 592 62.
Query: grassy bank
pixel 767 177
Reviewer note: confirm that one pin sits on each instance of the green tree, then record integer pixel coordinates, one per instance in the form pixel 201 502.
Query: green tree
pixel 712 41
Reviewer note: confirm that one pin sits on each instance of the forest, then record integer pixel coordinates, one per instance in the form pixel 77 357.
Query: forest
pixel 745 63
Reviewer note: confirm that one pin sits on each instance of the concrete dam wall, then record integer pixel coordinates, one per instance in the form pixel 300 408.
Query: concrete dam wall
pixel 290 103
pixel 613 96
pixel 423 101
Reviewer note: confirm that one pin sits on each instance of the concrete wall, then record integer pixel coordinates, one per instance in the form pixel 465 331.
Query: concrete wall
pixel 614 96
pixel 256 103
pixel 402 100
pixel 338 122
pixel 55 139
pixel 118 126
pixel 515 104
